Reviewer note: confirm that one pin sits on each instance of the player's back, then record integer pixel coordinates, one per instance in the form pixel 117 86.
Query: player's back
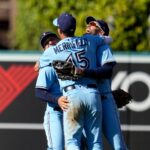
pixel 94 42
pixel 52 53
pixel 83 54
pixel 81 51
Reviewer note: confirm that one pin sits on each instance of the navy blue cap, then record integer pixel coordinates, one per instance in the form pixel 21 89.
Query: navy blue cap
pixel 101 23
pixel 66 22
pixel 104 26
pixel 45 35
pixel 90 19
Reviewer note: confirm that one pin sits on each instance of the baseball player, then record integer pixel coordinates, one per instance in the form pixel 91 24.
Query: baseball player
pixel 47 39
pixel 85 106
pixel 48 90
pixel 110 123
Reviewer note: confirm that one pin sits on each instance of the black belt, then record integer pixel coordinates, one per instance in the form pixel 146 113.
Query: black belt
pixel 57 108
pixel 71 87
pixel 92 86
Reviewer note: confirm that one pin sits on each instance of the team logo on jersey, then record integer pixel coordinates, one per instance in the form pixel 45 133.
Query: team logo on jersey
pixel 13 81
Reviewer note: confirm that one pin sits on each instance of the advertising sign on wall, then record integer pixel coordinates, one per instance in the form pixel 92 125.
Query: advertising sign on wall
pixel 21 114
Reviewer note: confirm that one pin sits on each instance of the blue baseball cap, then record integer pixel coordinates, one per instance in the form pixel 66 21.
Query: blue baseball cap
pixel 45 35
pixel 66 22
pixel 101 24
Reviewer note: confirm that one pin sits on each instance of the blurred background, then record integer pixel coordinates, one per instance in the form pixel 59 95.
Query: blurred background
pixel 21 24
pixel 21 21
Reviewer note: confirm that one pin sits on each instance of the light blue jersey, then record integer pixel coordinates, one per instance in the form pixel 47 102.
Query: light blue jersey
pixel 79 50
pixel 47 79
pixel 105 56
pixel 109 110
pixel 53 118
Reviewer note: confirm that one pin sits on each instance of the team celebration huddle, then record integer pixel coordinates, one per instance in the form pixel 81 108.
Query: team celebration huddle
pixel 74 79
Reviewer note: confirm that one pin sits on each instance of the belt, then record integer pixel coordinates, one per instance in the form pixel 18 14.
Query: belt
pixel 71 87
pixel 57 108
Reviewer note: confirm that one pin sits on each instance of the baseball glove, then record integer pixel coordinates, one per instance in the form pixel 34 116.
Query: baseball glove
pixel 65 70
pixel 121 97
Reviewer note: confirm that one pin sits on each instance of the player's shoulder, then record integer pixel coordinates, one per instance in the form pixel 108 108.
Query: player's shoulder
pixel 90 36
pixel 46 57
pixel 93 38
pixel 105 47
pixel 47 51
pixel 67 39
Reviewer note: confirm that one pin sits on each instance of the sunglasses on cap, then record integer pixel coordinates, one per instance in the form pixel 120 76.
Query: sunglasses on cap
pixel 94 23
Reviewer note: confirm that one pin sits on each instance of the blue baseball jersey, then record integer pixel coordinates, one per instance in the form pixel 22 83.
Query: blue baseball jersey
pixel 81 51
pixel 105 55
pixel 47 80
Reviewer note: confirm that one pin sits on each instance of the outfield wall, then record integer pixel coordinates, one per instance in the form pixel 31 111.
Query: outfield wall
pixel 21 114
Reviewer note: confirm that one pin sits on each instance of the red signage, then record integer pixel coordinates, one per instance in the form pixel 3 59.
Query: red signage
pixel 13 81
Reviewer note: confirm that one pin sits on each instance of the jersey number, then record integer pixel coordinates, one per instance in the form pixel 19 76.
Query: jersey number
pixel 81 60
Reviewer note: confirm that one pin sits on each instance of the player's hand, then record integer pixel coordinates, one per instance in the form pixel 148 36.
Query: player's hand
pixel 63 103
pixel 79 71
pixel 36 66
